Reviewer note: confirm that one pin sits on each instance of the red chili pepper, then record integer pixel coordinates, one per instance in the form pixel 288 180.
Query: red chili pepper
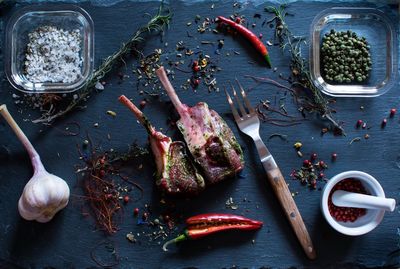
pixel 249 35
pixel 205 224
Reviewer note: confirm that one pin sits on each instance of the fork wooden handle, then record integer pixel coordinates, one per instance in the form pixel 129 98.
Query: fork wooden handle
pixel 285 198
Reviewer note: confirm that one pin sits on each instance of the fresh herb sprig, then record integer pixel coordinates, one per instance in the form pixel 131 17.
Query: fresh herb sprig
pixel 299 66
pixel 156 24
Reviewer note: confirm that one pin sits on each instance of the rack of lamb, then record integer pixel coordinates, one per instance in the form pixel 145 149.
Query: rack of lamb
pixel 209 139
pixel 176 173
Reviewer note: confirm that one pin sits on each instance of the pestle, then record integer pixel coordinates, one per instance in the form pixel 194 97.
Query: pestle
pixel 358 200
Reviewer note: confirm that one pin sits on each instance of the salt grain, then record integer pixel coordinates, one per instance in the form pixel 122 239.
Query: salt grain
pixel 53 55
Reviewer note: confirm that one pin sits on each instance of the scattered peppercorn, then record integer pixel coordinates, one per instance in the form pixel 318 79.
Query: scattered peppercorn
pixel 345 57
pixel 383 124
pixel 359 123
pixel 195 66
pixel 364 125
pixel 313 156
pixel 142 104
pixel 334 156
pixel 310 172
pixel 392 112
pixel 166 218
pixel 136 211
pixel 196 82
pixel 321 164
pixel 145 216
pixel 126 199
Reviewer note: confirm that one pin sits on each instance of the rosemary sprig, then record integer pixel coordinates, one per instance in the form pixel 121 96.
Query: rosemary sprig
pixel 299 66
pixel 155 24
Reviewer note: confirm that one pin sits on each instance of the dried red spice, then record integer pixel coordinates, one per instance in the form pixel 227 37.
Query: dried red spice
pixel 346 214
pixel 100 183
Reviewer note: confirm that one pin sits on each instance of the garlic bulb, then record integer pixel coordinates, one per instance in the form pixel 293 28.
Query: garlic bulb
pixel 45 194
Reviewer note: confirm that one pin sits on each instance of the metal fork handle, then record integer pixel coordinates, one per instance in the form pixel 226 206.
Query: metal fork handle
pixel 285 198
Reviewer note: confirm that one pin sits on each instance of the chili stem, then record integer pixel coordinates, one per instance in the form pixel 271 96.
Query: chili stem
pixel 181 237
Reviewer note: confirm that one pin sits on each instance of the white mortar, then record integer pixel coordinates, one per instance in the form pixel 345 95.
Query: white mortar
pixel 363 224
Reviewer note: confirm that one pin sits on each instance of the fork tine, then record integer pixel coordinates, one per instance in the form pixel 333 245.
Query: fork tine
pixel 246 100
pixel 240 103
pixel 233 108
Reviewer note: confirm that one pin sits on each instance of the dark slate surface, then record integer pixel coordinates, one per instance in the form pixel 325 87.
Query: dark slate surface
pixel 67 241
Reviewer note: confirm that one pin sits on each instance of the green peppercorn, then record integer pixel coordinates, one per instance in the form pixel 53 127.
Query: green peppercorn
pixel 345 57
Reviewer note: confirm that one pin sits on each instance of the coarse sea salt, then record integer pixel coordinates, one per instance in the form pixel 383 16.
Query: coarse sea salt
pixel 53 55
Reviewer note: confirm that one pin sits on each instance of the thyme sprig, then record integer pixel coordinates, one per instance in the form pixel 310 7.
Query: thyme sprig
pixel 316 102
pixel 156 24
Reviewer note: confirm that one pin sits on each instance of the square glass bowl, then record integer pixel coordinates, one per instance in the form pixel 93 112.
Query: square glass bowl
pixel 381 35
pixel 27 20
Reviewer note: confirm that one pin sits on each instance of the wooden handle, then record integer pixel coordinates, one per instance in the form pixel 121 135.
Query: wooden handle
pixel 285 198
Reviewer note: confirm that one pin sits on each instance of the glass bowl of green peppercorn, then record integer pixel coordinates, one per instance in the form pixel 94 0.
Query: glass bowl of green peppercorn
pixel 353 52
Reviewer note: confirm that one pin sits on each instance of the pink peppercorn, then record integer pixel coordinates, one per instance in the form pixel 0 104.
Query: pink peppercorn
pixel 145 216
pixel 142 104
pixel 346 214
pixel 392 112
pixel 313 156
pixel 383 124
pixel 196 82
pixel 136 211
pixel 364 125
